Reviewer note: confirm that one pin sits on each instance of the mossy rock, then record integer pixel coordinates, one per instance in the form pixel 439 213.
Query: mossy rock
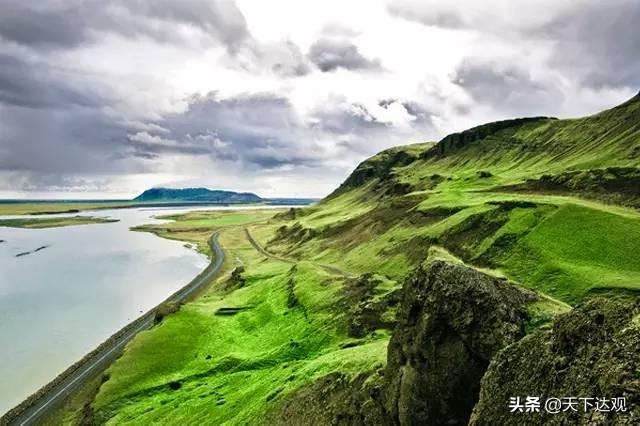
pixel 452 320
pixel 592 351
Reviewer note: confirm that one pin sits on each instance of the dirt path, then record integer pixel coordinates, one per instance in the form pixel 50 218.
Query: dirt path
pixel 329 268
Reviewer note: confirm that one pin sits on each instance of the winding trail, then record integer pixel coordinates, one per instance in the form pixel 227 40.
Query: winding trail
pixel 329 268
pixel 55 392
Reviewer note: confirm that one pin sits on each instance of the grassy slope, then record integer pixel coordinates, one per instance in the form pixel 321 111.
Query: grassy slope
pixel 398 208
pixel 234 368
pixel 564 245
pixel 53 222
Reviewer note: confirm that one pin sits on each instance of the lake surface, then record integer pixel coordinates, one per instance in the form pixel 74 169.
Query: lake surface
pixel 60 302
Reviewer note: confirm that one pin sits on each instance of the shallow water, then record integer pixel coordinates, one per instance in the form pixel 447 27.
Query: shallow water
pixel 60 302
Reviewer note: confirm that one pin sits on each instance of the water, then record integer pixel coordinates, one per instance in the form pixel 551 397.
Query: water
pixel 59 303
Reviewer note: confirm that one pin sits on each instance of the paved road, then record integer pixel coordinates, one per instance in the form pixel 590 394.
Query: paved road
pixel 99 361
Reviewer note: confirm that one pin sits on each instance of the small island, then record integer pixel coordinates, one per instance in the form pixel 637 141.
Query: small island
pixel 197 195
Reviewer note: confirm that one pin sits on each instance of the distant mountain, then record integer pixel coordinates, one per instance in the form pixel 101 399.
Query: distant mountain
pixel 202 195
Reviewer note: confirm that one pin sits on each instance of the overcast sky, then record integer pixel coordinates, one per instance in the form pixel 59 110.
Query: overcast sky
pixel 282 98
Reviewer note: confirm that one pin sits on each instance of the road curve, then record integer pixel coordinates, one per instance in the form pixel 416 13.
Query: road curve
pixel 54 393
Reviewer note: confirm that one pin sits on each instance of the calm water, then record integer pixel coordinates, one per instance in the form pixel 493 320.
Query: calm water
pixel 59 303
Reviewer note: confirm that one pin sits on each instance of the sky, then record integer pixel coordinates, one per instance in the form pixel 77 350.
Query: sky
pixel 104 99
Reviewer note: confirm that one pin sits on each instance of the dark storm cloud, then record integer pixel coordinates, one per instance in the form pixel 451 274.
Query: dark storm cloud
pixel 66 24
pixel 33 25
pixel 221 19
pixel 44 182
pixel 48 140
pixel 148 146
pixel 56 121
pixel 357 131
pixel 46 27
pixel 263 131
pixel 34 84
pixel 510 87
pixel 331 54
pixel 346 119
pixel 257 130
pixel 599 42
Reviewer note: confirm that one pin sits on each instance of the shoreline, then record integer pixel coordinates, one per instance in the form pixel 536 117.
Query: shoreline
pixel 54 393
pixel 44 208
pixel 53 222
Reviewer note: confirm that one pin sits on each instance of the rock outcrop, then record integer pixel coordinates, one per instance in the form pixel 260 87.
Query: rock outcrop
pixel 459 354
pixel 592 351
pixel 452 321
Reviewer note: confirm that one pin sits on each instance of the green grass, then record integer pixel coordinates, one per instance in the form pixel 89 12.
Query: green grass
pixel 72 411
pixel 560 245
pixel 577 249
pixel 196 227
pixel 565 244
pixel 205 218
pixel 53 222
pixel 233 369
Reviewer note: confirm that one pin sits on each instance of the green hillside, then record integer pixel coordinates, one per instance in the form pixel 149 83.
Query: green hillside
pixel 546 202
pixel 298 327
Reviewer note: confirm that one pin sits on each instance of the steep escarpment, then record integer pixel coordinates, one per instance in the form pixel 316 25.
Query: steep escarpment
pixel 541 201
pixel 456 141
pixel 514 195
pixel 380 168
pixel 460 353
